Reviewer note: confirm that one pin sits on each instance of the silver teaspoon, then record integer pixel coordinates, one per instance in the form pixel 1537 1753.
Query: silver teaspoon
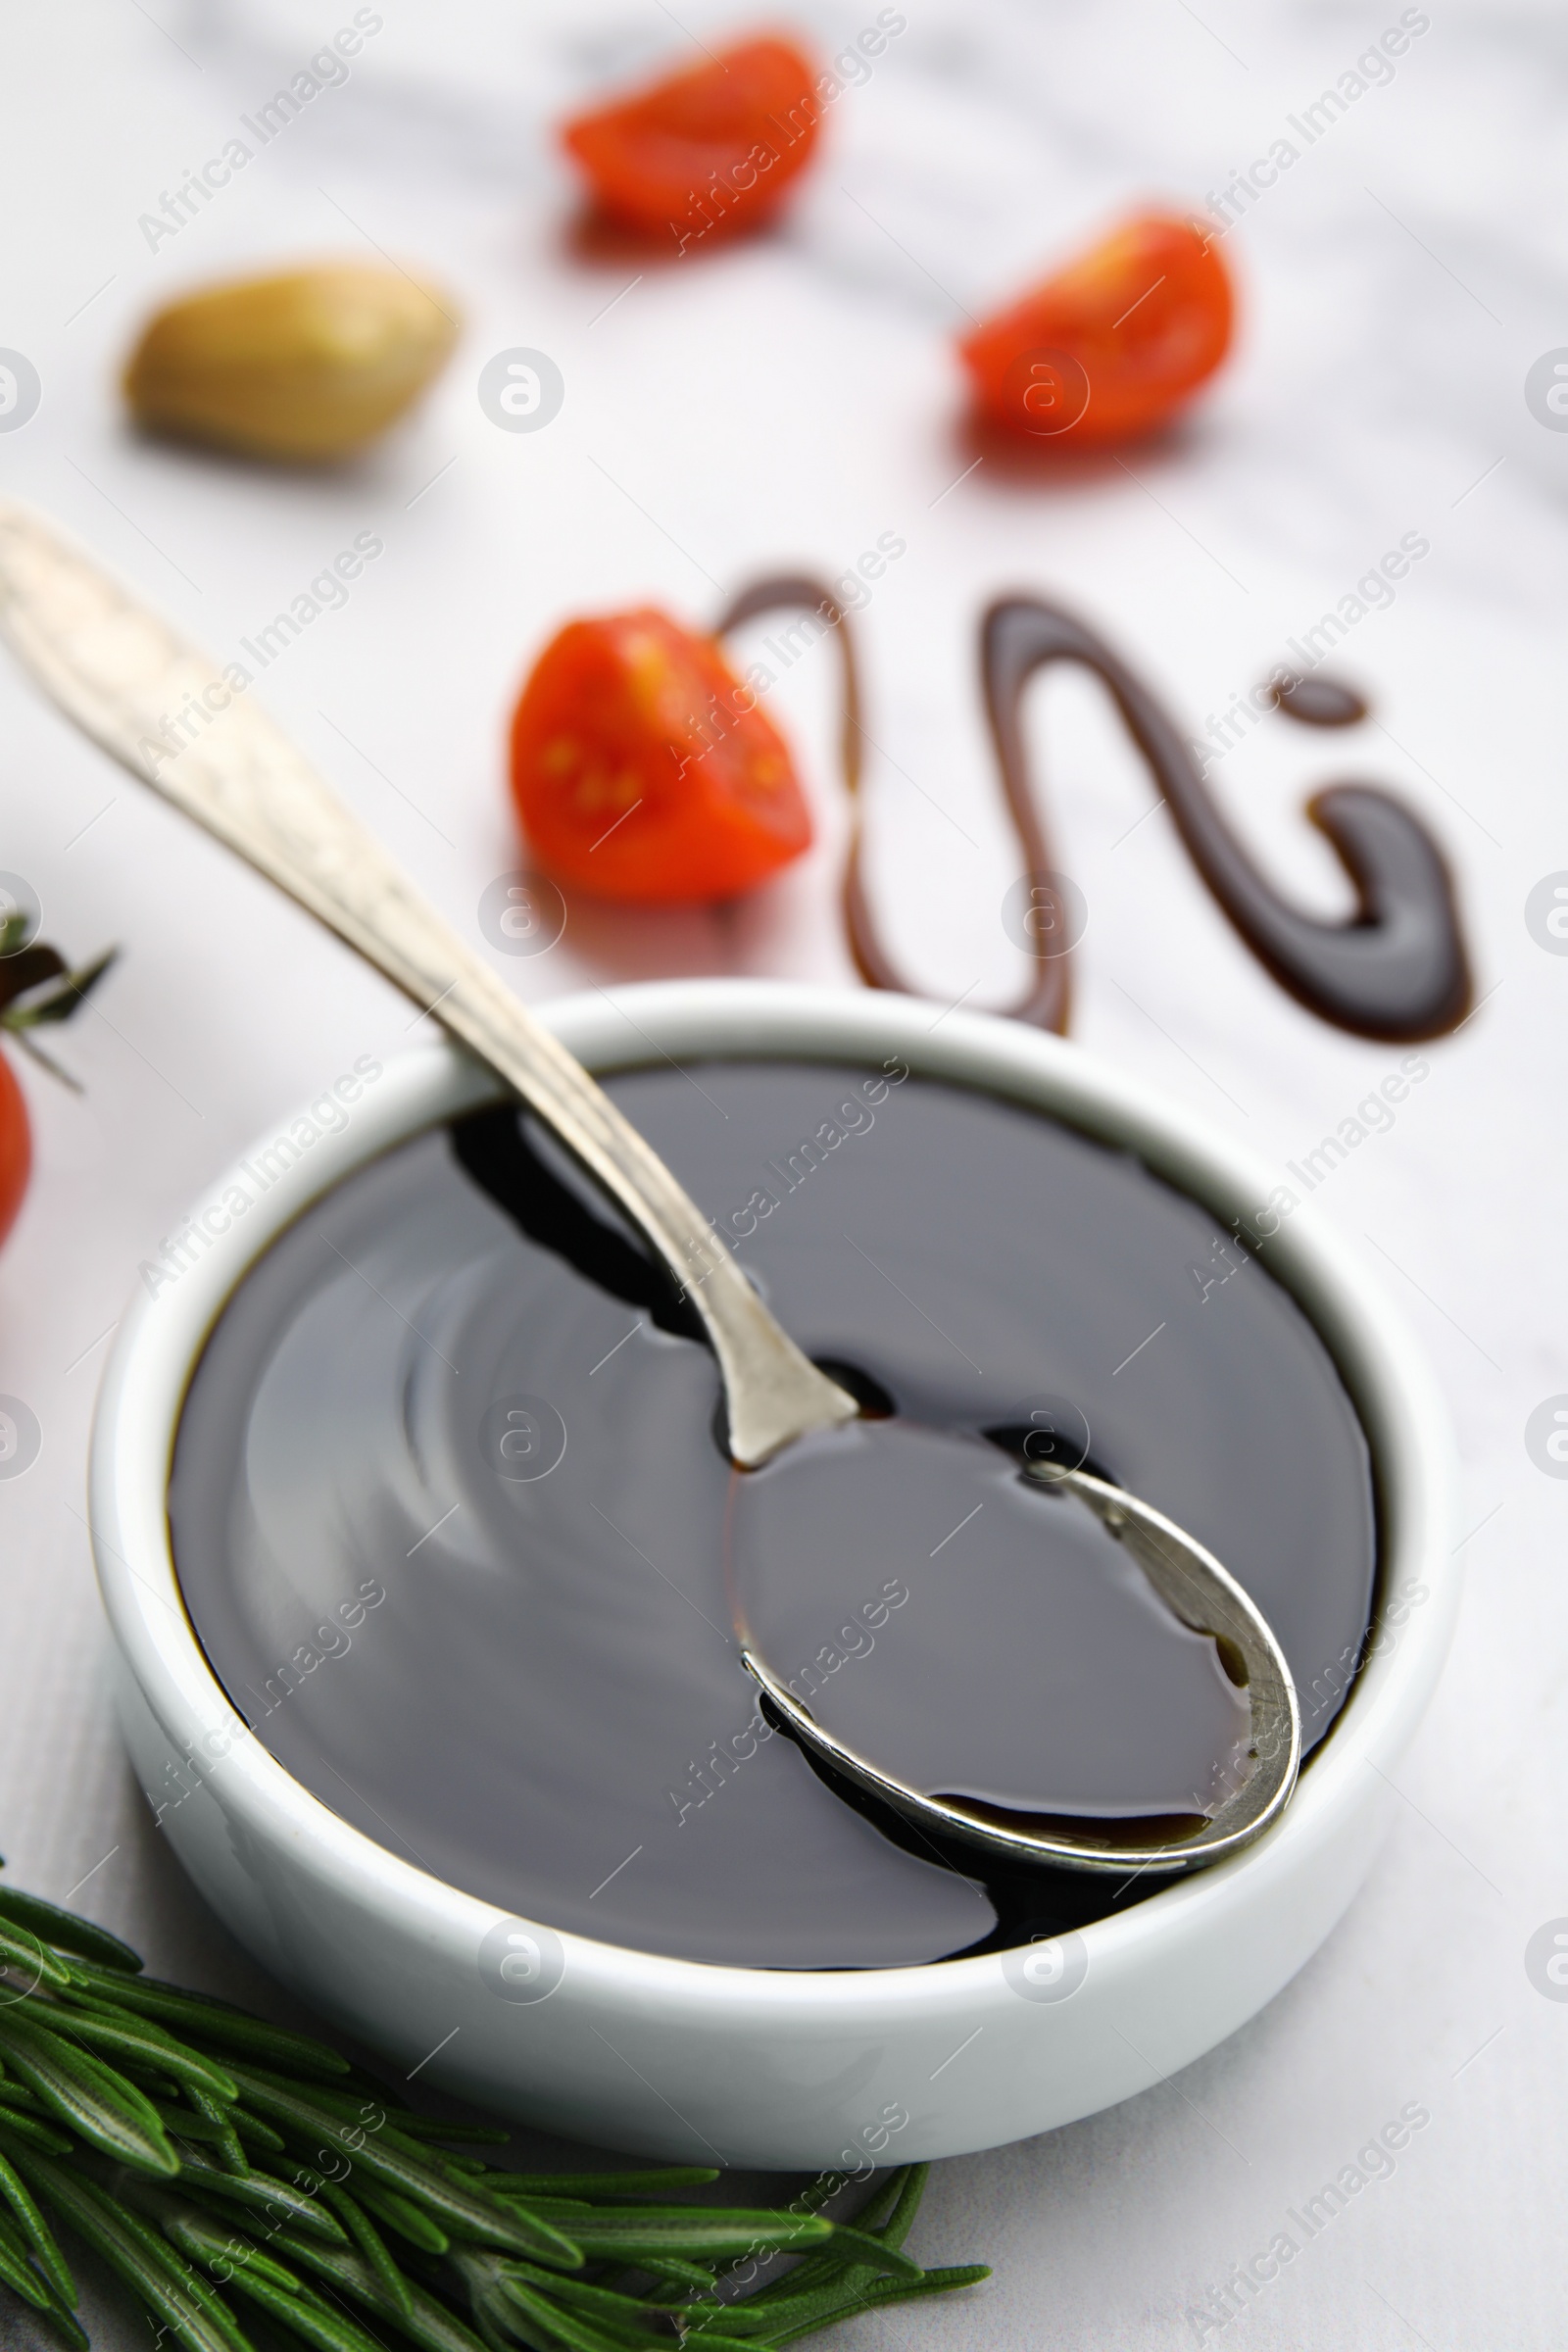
pixel 161 710
pixel 123 675
pixel 1203 1596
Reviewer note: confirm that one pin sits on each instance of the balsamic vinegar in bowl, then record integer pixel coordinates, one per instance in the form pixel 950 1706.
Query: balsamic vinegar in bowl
pixel 450 1517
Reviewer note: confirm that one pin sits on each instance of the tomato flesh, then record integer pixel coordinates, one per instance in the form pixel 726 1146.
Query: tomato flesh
pixel 707 152
pixel 1114 344
pixel 16 1148
pixel 643 770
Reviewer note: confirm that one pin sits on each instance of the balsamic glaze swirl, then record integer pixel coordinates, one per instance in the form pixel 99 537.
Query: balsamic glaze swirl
pixel 1395 970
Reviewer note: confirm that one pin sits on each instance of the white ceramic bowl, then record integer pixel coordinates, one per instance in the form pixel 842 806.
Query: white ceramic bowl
pixel 677 2059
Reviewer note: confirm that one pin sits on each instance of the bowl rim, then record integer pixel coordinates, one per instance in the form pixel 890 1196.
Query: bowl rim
pixel 161 1336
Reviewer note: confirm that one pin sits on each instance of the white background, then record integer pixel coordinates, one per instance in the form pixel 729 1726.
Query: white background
pixel 782 403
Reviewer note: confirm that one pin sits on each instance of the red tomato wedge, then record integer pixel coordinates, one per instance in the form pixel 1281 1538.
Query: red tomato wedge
pixel 643 769
pixel 705 152
pixel 1113 345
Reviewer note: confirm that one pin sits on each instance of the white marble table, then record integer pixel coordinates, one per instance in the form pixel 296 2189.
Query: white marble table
pixel 789 402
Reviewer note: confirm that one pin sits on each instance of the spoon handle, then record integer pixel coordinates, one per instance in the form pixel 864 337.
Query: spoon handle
pixel 164 713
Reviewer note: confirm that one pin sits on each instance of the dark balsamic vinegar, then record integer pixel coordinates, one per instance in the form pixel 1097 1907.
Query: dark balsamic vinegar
pixel 453 1528
pixel 1397 968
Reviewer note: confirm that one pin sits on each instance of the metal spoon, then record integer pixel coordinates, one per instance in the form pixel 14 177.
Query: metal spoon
pixel 164 713
pixel 163 710
pixel 1204 1595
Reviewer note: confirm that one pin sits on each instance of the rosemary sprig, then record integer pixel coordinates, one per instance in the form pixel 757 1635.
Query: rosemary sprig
pixel 224 2168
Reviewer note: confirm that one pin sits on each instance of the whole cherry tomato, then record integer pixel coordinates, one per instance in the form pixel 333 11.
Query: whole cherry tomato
pixel 1111 346
pixel 707 152
pixel 643 769
pixel 16 1148
pixel 36 991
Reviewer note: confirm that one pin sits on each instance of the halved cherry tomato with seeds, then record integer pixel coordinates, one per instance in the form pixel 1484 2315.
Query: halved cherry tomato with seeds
pixel 643 769
pixel 707 152
pixel 1111 346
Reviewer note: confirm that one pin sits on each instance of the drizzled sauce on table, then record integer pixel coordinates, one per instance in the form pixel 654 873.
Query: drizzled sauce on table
pixel 1397 968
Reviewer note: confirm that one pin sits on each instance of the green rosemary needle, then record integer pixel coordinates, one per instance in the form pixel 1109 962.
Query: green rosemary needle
pixel 224 2168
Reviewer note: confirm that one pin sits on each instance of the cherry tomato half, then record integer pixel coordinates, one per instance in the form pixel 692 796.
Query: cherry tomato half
pixel 1111 346
pixel 16 1148
pixel 704 152
pixel 643 769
